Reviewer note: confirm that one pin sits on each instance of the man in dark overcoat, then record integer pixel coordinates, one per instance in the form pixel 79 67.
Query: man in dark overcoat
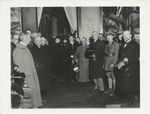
pixel 96 62
pixel 128 78
pixel 46 59
pixel 38 56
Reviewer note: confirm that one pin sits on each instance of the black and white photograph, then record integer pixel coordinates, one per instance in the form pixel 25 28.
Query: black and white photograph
pixel 74 56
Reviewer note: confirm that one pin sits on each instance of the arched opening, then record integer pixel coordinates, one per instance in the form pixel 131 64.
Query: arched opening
pixel 56 22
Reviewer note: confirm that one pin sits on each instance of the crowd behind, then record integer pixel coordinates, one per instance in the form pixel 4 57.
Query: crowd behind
pixel 69 59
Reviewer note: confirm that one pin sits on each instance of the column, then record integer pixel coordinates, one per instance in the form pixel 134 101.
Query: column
pixel 54 26
pixel 91 19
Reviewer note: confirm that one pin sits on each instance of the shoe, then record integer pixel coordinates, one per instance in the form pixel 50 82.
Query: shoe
pixel 95 89
pixel 111 93
pixel 44 101
pixel 108 91
pixel 100 92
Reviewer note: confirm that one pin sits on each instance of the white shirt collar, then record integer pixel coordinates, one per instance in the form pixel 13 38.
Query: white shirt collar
pixel 95 40
pixel 38 46
pixel 72 43
pixel 23 43
pixel 128 41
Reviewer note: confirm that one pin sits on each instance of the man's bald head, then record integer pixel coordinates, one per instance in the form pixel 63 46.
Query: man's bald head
pixel 126 35
pixel 25 38
pixel 126 32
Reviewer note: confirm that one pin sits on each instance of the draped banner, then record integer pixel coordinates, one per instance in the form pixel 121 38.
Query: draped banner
pixel 72 17
pixel 91 20
pixel 29 18
pixel 39 14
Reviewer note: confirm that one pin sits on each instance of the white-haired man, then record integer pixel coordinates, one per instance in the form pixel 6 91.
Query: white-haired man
pixel 40 64
pixel 96 62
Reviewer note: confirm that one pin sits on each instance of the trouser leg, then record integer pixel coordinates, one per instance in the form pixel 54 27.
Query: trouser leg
pixel 109 80
pixel 101 84
pixel 114 84
pixel 113 80
pixel 110 83
pixel 96 83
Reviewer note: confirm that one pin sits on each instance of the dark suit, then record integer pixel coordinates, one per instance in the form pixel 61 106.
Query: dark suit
pixel 128 78
pixel 96 70
pixel 41 67
pixel 46 57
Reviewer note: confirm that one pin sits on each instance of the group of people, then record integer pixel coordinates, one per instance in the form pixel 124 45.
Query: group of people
pixel 118 59
pixel 32 60
pixel 61 53
pixel 40 61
